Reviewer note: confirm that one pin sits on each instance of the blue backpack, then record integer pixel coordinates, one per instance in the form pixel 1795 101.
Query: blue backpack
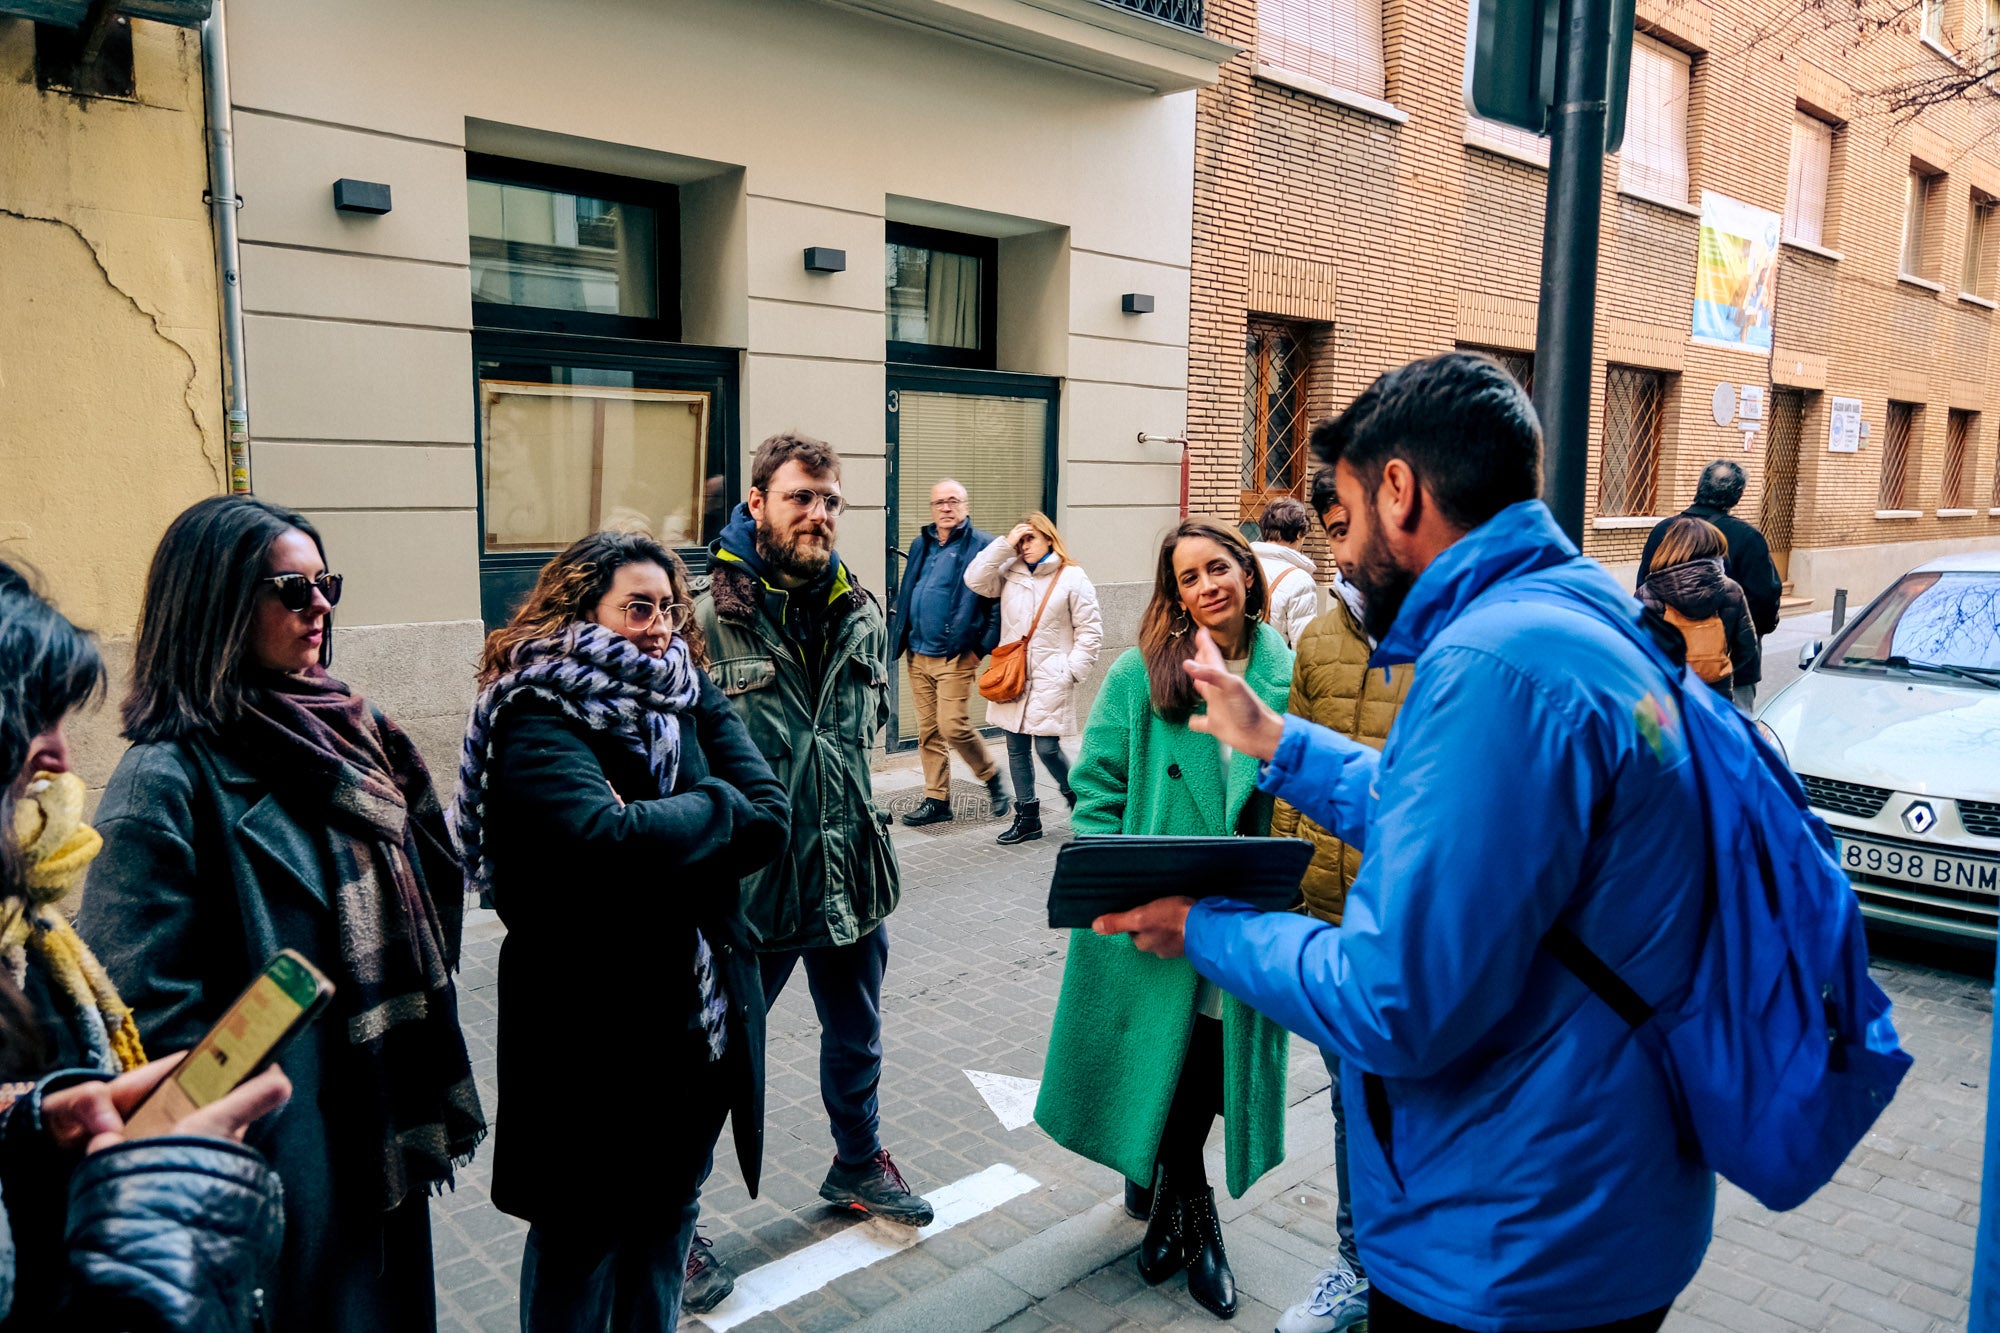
pixel 1780 1050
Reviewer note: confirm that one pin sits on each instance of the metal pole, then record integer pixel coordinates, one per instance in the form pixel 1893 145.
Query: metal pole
pixel 1563 334
pixel 222 199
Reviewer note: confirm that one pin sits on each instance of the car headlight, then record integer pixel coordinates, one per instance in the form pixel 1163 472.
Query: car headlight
pixel 1764 730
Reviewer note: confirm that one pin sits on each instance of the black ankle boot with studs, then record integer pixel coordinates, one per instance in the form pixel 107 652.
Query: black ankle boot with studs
pixel 1210 1282
pixel 1160 1252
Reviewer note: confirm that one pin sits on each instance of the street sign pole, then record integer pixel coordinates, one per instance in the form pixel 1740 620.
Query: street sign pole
pixel 1563 335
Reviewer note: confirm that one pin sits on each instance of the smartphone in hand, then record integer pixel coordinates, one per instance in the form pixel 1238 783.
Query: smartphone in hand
pixel 277 1005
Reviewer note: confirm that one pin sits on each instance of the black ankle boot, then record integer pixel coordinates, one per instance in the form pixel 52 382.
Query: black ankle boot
pixel 1210 1282
pixel 1138 1200
pixel 1027 824
pixel 996 795
pixel 1160 1252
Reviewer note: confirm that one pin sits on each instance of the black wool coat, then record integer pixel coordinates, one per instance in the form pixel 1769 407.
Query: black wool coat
pixel 206 873
pixel 602 883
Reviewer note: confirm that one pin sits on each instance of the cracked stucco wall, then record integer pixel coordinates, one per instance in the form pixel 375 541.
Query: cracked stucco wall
pixel 110 355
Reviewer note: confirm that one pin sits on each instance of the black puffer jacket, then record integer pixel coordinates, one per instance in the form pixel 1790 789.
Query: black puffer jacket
pixel 1699 589
pixel 172 1234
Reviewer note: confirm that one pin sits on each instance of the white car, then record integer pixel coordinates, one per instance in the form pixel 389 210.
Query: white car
pixel 1894 729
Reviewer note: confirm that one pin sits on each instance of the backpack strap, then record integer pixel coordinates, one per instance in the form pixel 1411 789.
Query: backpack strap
pixel 1597 974
pixel 1288 571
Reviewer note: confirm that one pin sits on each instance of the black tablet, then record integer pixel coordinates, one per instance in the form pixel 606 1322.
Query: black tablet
pixel 1096 875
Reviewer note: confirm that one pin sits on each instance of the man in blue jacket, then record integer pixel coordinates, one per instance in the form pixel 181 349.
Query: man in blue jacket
pixel 1515 1151
pixel 946 627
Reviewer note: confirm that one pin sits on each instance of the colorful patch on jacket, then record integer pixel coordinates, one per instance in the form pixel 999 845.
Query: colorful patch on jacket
pixel 1659 722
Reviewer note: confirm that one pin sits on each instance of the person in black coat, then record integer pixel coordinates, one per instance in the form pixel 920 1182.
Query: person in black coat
pixel 97 1233
pixel 1748 561
pixel 611 799
pixel 1688 577
pixel 262 805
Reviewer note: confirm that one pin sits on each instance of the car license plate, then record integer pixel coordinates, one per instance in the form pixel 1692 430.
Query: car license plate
pixel 1936 869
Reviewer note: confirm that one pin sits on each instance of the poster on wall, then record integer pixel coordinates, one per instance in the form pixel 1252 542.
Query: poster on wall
pixel 1844 426
pixel 1736 274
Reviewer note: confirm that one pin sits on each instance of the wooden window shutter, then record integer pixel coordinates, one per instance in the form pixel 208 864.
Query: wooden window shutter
pixel 1655 157
pixel 1805 193
pixel 1337 42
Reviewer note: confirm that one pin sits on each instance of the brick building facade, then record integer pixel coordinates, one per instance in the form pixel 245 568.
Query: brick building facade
pixel 1349 216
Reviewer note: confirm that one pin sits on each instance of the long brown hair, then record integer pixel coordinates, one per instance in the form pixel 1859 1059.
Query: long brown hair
pixel 194 626
pixel 1689 539
pixel 570 586
pixel 1166 630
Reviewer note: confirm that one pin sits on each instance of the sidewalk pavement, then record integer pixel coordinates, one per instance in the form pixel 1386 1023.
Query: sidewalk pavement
pixel 1034 1238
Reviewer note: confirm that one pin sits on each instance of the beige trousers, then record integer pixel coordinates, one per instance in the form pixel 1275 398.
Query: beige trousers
pixel 941 689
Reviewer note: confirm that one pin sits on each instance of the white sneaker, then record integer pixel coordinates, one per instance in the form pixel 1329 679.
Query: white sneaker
pixel 1339 1303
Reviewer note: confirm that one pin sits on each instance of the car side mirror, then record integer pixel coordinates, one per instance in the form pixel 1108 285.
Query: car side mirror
pixel 1809 653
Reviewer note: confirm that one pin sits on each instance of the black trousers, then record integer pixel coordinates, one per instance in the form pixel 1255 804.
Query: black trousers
pixel 1197 1101
pixel 1387 1315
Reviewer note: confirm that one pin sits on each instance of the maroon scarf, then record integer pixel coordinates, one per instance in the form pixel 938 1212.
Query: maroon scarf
pixel 398 899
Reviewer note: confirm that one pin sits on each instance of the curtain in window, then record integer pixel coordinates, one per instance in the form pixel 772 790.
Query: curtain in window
pixel 1655 156
pixel 1535 147
pixel 1916 194
pixel 1337 42
pixel 951 300
pixel 1805 192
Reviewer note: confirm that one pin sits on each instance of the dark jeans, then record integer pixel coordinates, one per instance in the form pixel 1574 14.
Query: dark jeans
pixel 846 985
pixel 1021 763
pixel 1197 1101
pixel 597 1274
pixel 1343 1216
pixel 1386 1315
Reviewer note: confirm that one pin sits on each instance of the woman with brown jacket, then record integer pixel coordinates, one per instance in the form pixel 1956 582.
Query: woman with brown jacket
pixel 1333 685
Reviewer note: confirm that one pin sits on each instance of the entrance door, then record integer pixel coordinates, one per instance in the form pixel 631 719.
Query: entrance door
pixel 995 434
pixel 580 434
pixel 1781 475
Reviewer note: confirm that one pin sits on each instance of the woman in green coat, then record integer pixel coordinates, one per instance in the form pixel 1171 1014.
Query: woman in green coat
pixel 1144 1053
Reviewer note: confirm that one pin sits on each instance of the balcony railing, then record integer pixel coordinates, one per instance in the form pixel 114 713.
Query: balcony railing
pixel 1180 13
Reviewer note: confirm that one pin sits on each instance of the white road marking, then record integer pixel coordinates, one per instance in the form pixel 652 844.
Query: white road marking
pixel 779 1283
pixel 1012 1100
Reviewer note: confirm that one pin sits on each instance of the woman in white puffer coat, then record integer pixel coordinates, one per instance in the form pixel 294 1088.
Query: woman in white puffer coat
pixel 1022 569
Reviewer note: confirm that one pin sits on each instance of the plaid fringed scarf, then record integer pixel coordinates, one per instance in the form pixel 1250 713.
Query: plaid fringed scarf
pixel 326 751
pixel 609 685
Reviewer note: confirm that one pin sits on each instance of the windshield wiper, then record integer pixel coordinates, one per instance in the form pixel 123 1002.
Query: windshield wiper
pixel 1986 676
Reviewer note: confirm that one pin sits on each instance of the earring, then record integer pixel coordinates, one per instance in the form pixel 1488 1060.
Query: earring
pixel 1183 622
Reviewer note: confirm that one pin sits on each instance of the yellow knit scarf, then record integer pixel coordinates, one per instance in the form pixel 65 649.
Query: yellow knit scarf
pixel 57 847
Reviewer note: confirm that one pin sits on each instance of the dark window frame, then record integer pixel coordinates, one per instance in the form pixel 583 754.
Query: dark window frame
pixel 661 197
pixel 986 250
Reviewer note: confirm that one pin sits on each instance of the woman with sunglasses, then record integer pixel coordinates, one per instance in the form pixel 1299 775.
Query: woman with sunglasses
pixel 263 805
pixel 607 780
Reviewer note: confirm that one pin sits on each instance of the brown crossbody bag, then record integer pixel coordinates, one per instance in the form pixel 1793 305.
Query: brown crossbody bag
pixel 1006 676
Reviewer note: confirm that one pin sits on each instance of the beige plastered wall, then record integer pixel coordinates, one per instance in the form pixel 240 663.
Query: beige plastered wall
pixel 110 363
pixel 788 123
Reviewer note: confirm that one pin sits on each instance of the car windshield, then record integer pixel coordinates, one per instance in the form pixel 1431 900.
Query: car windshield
pixel 1945 625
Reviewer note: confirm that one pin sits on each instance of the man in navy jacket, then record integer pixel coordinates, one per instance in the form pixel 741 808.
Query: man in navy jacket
pixel 1515 1150
pixel 946 628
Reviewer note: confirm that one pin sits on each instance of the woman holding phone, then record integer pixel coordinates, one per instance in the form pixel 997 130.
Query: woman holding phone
pixel 1052 604
pixel 606 778
pixel 1144 1053
pixel 166 1229
pixel 264 805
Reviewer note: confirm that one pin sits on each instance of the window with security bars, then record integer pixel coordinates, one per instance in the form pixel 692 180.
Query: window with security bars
pixel 1337 42
pixel 1978 239
pixel 1956 491
pixel 1521 365
pixel 1896 456
pixel 1628 478
pixel 1654 160
pixel 1805 192
pixel 1274 410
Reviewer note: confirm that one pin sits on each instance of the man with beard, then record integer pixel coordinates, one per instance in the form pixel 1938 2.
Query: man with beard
pixel 800 647
pixel 1517 1161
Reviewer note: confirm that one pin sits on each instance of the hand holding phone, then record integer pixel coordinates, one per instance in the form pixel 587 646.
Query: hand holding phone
pixel 93 1114
pixel 278 1003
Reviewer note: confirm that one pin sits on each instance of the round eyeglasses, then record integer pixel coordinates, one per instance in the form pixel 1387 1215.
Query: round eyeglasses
pixel 641 613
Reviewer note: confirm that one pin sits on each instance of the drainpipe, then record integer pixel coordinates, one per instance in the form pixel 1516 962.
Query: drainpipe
pixel 1187 460
pixel 223 200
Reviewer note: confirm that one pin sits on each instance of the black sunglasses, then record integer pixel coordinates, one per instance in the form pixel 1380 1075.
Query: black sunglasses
pixel 295 591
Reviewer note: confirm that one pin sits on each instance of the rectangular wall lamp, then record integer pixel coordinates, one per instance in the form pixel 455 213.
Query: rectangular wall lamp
pixel 351 196
pixel 1137 303
pixel 825 259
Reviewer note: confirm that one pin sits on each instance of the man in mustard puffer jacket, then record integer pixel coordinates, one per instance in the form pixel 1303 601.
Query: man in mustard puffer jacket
pixel 1333 686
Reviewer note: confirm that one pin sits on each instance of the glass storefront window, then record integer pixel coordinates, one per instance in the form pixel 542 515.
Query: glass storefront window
pixel 562 251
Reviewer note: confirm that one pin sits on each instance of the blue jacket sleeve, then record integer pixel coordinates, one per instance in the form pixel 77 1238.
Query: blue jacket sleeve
pixel 1484 815
pixel 1326 777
